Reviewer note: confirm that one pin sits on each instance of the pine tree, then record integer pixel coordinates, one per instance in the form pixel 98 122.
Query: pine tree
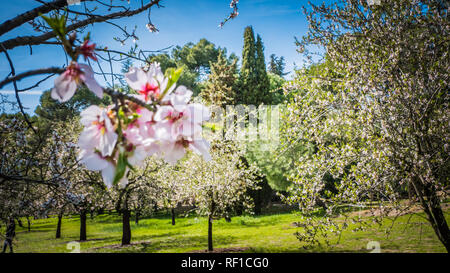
pixel 263 82
pixel 277 65
pixel 247 79
pixel 219 89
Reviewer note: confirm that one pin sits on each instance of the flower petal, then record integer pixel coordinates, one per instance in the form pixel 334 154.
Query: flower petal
pixel 189 129
pixel 64 88
pixel 90 114
pixel 198 113
pixel 180 98
pixel 108 174
pixel 90 81
pixel 136 78
pixel 175 153
pixel 93 161
pixel 201 147
pixel 107 143
pixel 89 138
pixel 163 112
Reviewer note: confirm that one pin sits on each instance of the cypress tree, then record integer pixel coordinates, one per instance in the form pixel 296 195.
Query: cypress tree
pixel 247 80
pixel 262 79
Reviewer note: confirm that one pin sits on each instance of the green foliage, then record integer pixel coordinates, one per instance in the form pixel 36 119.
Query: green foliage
pixel 52 110
pixel 248 79
pixel 263 82
pixel 275 95
pixel 58 24
pixel 277 166
pixel 195 59
pixel 277 65
pixel 254 85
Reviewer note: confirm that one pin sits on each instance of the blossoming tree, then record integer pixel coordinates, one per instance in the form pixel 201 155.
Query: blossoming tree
pixel 376 112
pixel 219 187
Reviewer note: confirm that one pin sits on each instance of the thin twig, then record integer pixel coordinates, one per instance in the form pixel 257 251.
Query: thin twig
pixel 16 90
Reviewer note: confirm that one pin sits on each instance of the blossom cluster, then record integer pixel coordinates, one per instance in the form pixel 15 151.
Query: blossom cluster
pixel 164 123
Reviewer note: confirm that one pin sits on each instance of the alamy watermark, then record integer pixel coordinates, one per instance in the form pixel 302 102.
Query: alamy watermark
pixel 73 2
pixel 374 246
pixel 74 246
pixel 245 123
pixel 373 2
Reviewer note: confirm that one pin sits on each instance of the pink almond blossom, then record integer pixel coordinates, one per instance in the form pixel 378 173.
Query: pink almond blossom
pixel 99 133
pixel 150 85
pixel 67 83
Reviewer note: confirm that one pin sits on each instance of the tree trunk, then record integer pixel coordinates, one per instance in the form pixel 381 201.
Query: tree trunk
pixel 433 209
pixel 136 217
pixel 83 225
pixel 126 230
pixel 172 211
pixel 437 218
pixel 440 226
pixel 29 223
pixel 58 227
pixel 92 214
pixel 210 242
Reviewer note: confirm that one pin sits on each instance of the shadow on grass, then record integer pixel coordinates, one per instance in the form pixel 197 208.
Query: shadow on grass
pixel 152 244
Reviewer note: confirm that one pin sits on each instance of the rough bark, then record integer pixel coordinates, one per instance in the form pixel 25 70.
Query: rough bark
pixel 83 217
pixel 210 242
pixel 136 217
pixel 433 209
pixel 172 212
pixel 28 223
pixel 126 229
pixel 58 227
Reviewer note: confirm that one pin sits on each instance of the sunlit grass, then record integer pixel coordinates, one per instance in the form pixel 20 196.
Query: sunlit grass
pixel 267 233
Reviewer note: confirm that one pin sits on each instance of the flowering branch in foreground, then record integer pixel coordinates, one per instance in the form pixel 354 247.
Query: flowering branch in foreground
pixel 157 120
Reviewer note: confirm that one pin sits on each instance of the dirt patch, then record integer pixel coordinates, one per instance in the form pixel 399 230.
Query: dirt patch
pixel 119 246
pixel 222 250
pixel 88 240
pixel 394 211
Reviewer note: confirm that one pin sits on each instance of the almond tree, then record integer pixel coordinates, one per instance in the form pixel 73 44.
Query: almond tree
pixel 377 116
pixel 172 187
pixel 220 186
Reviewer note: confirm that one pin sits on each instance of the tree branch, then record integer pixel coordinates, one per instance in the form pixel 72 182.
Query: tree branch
pixel 30 15
pixel 35 40
pixel 18 77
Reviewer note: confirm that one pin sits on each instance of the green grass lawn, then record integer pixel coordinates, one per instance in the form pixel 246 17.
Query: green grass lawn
pixel 266 233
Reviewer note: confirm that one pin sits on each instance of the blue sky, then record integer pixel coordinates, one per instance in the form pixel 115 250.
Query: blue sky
pixel 179 22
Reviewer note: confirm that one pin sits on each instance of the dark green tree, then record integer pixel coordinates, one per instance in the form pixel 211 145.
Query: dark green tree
pixel 53 110
pixel 49 110
pixel 248 80
pixel 194 58
pixel 277 65
pixel 263 82
pixel 254 83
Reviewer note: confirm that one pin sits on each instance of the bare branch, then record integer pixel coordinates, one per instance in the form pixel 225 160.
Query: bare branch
pixel 35 40
pixel 18 77
pixel 30 15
